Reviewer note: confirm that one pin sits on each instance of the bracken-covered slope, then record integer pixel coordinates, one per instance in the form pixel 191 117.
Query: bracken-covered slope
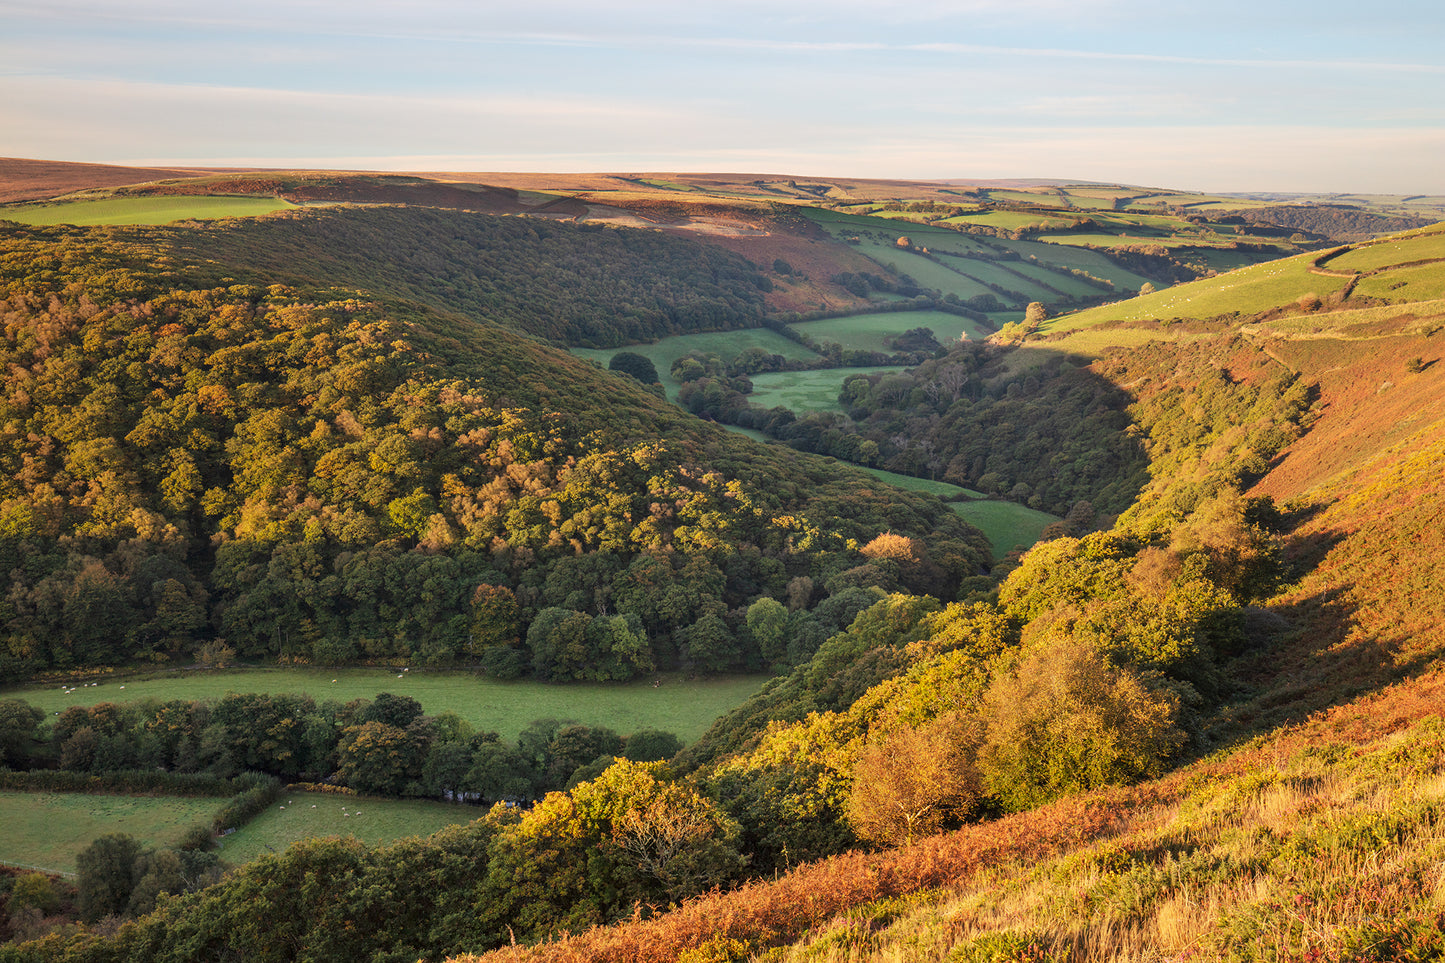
pixel 1313 832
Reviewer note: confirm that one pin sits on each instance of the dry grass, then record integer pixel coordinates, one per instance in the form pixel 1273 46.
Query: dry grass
pixel 1292 845
pixel 1291 865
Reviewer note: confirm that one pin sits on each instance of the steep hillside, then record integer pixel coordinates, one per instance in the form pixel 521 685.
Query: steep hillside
pixel 1313 833
pixel 1401 269
pixel 587 286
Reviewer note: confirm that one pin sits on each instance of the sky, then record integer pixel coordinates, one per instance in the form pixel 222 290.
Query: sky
pixel 1214 95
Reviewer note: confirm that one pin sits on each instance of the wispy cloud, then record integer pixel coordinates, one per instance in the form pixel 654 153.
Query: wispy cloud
pixel 1242 96
pixel 1160 58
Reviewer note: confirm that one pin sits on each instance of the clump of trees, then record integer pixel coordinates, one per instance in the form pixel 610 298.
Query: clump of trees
pixel 632 837
pixel 117 876
pixel 383 746
pixel 1068 720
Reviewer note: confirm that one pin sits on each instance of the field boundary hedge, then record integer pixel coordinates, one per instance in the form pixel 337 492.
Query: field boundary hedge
pixel 118 783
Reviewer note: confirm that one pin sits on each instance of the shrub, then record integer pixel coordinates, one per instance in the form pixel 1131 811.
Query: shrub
pixel 1067 720
pixel 916 782
pixel 634 364
pixel 250 802
pixel 34 890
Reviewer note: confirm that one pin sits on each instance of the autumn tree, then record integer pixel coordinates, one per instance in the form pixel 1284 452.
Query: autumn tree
pixel 379 758
pixel 767 620
pixel 18 723
pixel 916 781
pixel 106 875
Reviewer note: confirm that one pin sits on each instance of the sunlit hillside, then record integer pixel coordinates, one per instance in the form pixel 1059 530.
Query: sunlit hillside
pixel 1310 830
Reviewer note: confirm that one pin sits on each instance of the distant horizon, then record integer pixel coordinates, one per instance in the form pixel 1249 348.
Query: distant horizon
pixel 222 167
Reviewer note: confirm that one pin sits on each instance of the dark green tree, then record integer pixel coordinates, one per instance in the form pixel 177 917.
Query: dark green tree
pixel 18 722
pixel 634 364
pixel 106 875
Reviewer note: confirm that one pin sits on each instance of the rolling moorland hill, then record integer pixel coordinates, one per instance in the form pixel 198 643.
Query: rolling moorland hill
pixel 1206 728
pixel 1120 236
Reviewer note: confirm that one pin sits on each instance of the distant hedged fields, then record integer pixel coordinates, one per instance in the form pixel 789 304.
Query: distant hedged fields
pixel 191 455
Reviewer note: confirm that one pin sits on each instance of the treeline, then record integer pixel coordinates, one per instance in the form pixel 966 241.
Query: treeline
pixel 1338 222
pixel 382 746
pixel 334 480
pixel 583 285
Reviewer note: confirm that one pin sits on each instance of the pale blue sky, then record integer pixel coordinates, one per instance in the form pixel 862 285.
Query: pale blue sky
pixel 1222 95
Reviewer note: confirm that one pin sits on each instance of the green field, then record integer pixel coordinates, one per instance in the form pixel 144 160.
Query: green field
pixel 1356 323
pixel 305 815
pixel 679 705
pixel 1058 280
pixel 927 272
pixel 942 489
pixel 1374 257
pixel 1008 525
pixel 1247 291
pixel 882 248
pixel 142 210
pixel 45 830
pixel 1011 220
pixel 1422 282
pixel 867 332
pixel 1061 255
pixel 804 391
pixel 1089 343
pixel 725 344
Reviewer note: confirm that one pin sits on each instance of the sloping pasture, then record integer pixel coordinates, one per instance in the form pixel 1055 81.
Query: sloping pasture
pixel 868 332
pixel 725 344
pixel 1246 291
pixel 47 830
pixel 306 815
pixel 804 391
pixel 142 210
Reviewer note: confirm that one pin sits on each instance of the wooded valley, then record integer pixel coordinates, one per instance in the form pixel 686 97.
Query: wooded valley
pixel 354 435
